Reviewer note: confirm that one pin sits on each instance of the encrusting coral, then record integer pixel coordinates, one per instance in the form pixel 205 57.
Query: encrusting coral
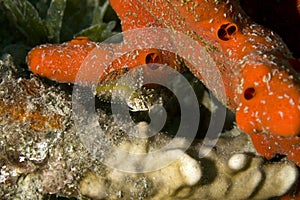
pixel 29 113
pixel 52 159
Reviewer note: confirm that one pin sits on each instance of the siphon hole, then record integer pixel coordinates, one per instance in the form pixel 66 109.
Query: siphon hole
pixel 226 31
pixel 249 93
pixel 222 34
pixel 231 29
pixel 151 59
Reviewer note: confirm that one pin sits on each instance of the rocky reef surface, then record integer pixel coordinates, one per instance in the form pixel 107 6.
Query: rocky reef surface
pixel 43 155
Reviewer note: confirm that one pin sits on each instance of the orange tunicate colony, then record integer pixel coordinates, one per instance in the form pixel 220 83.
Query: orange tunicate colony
pixel 258 71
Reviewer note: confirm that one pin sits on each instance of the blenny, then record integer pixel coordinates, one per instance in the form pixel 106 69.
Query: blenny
pixel 259 73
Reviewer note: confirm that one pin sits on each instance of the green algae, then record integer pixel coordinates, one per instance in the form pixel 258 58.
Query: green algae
pixel 27 23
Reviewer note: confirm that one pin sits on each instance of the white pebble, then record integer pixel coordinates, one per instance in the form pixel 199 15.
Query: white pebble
pixel 190 170
pixel 238 161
